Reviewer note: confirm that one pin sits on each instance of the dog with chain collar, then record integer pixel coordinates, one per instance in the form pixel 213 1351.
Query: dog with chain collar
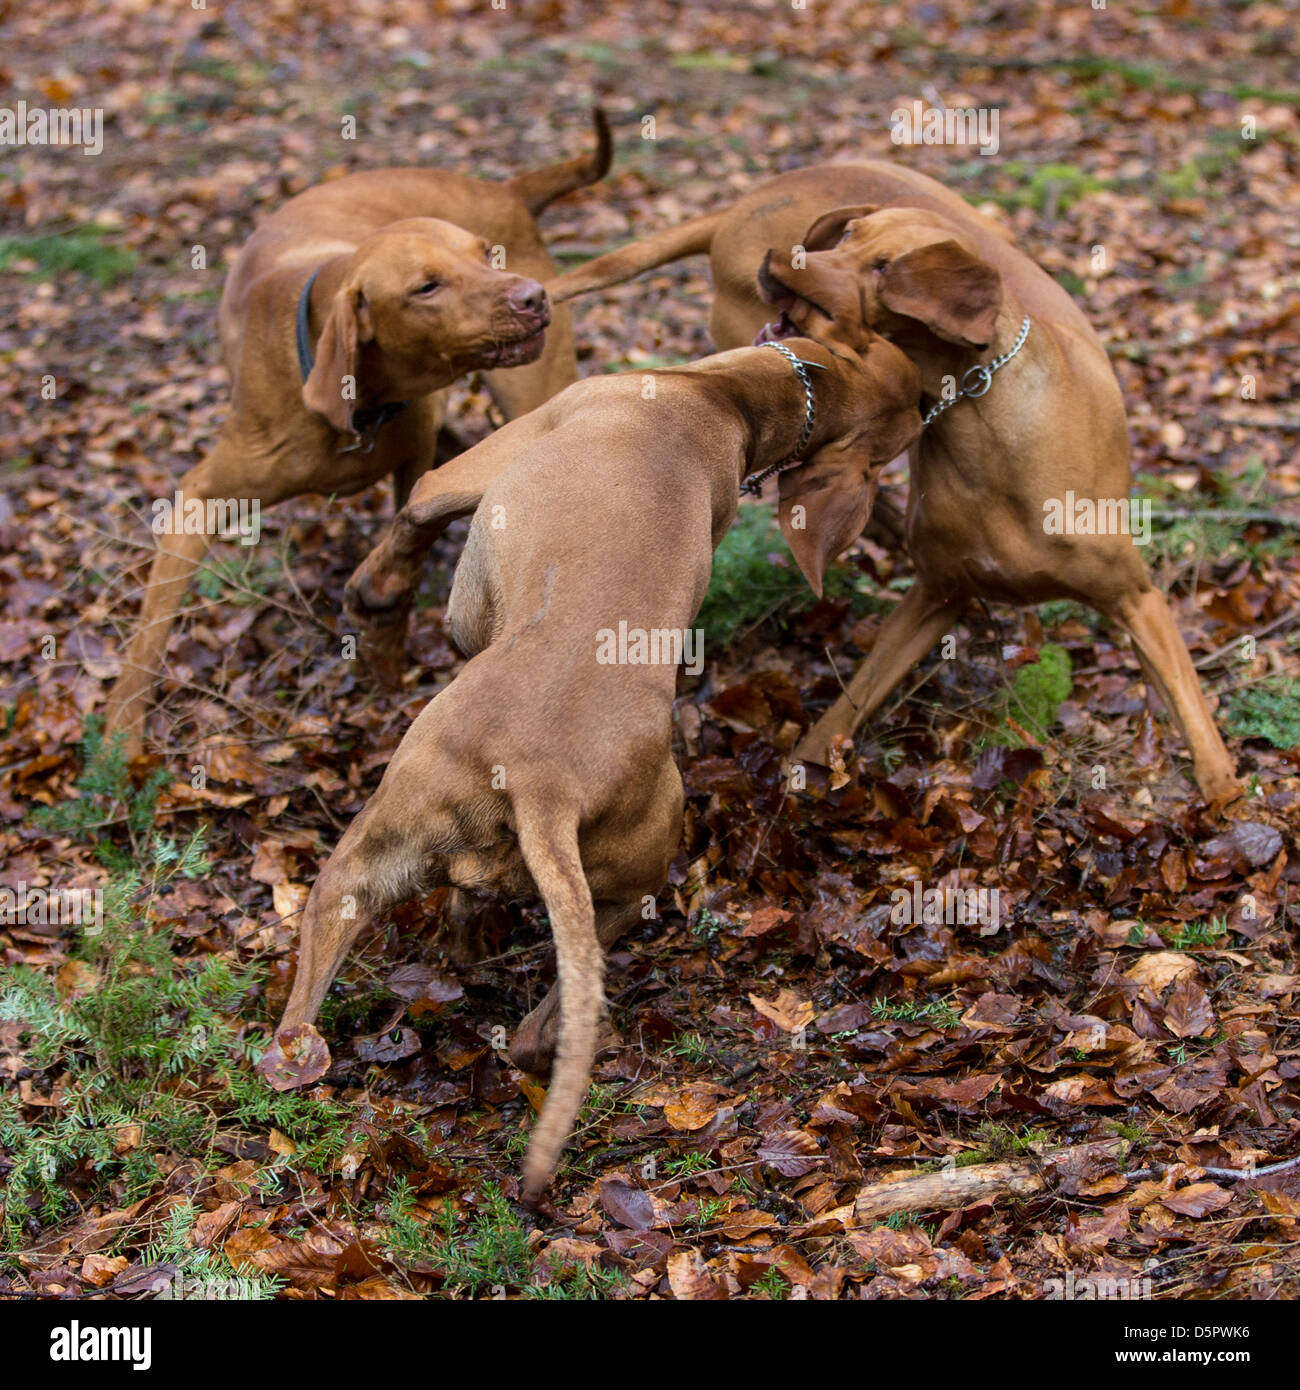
pixel 544 763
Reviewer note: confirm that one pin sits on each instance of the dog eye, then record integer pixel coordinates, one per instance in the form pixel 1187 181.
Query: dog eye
pixel 428 287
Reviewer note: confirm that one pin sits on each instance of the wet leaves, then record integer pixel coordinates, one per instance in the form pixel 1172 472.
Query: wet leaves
pixel 788 1039
pixel 297 1057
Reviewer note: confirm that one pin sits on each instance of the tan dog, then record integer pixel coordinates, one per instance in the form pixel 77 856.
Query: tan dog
pixel 991 472
pixel 386 279
pixel 545 763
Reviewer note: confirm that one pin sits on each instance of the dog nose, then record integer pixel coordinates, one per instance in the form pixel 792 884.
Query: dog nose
pixel 529 298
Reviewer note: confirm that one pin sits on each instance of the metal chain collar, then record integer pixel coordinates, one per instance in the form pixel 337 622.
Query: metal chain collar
pixel 979 377
pixel 754 484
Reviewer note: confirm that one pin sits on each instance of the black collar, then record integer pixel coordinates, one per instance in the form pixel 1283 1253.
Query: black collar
pixel 366 424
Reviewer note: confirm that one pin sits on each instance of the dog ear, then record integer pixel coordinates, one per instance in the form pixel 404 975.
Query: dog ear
pixel 824 506
pixel 336 358
pixel 955 295
pixel 829 227
pixel 826 503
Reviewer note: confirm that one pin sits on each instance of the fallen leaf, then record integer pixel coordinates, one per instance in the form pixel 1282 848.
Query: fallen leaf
pixel 1197 1199
pixel 297 1057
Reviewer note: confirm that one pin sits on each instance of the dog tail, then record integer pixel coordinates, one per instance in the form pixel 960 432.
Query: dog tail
pixel 614 267
pixel 550 848
pixel 540 187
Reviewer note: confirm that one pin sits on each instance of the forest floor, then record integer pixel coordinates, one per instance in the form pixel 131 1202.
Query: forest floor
pixel 1124 1041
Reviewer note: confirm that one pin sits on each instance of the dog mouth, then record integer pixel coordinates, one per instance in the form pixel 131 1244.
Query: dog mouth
pixel 516 352
pixel 783 326
pixel 785 301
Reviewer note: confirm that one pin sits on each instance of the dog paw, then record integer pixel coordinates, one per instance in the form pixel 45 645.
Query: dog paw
pixel 379 593
pixel 532 1049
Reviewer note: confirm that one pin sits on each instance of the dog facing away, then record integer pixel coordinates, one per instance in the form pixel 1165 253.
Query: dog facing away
pixel 992 473
pixel 343 320
pixel 546 765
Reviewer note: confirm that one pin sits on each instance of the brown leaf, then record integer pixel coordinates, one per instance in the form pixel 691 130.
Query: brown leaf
pixel 281 1144
pixel 692 1109
pixel 1245 844
pixel 1197 1199
pixel 628 1205
pixel 297 1057
pixel 378 1288
pixel 232 761
pixel 1157 968
pixel 792 1152
pixel 102 1269
pixel 270 863
pixel 212 1225
pixel 689 1281
pixel 289 898
pixel 74 979
pixel 788 1011
pixel 765 919
pixel 1188 1013
pixel 993 1012
pixel 420 984
pixel 307 1263
pixel 391 1046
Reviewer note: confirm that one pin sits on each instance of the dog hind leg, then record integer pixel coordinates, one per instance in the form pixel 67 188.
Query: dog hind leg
pixel 1145 616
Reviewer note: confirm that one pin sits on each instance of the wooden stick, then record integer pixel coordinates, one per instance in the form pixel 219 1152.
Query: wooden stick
pixel 946 1191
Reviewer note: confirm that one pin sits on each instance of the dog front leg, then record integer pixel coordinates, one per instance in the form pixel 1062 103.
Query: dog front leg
pixel 375 867
pixel 906 635
pixel 381 592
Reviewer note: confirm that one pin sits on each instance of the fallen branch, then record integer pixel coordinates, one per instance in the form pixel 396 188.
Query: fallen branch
pixel 1233 648
pixel 953 1188
pixel 1233 1174
pixel 1223 514
pixel 946 1191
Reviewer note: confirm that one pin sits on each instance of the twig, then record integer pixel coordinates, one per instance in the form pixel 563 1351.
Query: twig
pixel 1224 514
pixel 1211 658
pixel 1234 1174
pixel 838 678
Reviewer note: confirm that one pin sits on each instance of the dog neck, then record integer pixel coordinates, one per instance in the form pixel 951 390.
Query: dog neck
pixel 942 364
pixel 791 413
pixel 379 396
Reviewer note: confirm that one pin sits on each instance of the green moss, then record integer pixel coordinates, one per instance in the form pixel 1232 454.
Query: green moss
pixel 1269 710
pixel 1036 692
pixel 85 251
pixel 1038 185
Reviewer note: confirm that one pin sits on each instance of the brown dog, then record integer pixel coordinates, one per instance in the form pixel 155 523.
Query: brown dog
pixel 1045 437
pixel 547 763
pixel 342 320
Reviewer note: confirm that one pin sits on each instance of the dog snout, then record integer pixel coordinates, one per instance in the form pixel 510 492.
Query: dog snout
pixel 528 300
